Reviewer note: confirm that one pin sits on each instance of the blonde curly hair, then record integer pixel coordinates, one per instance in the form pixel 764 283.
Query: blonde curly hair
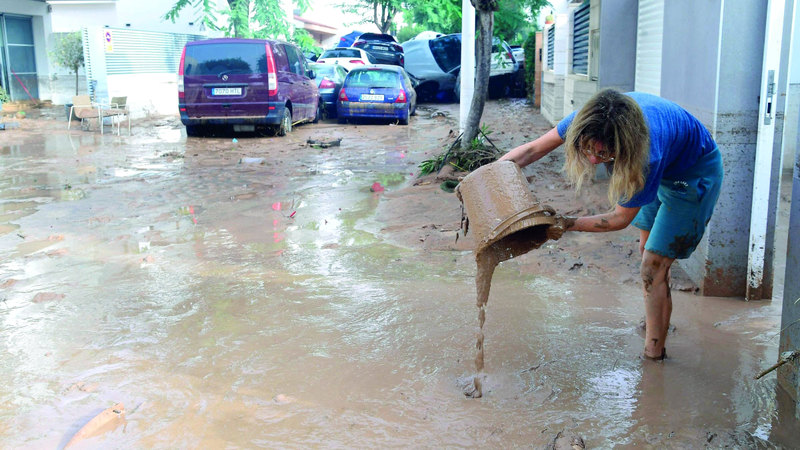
pixel 616 121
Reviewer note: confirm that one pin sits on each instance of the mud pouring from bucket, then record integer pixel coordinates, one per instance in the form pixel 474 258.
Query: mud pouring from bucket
pixel 507 222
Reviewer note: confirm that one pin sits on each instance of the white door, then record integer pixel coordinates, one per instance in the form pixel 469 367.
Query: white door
pixel 775 60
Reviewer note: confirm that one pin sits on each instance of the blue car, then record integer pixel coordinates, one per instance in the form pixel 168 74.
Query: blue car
pixel 377 92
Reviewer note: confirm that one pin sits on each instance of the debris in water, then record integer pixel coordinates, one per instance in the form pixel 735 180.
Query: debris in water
pixel 249 160
pixel 376 187
pixel 47 297
pixel 292 214
pixel 567 440
pixel 324 144
pixel 235 140
pixel 106 421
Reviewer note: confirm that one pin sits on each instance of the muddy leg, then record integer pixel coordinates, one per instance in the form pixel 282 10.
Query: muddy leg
pixel 657 302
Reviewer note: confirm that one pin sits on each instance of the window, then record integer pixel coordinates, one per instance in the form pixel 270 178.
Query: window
pixel 218 59
pixel 295 64
pixel 551 46
pixel 580 40
pixel 446 51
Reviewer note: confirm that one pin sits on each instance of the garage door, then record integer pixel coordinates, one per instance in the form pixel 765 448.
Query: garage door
pixel 649 35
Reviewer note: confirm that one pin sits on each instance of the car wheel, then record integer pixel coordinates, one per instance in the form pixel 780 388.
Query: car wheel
pixel 405 121
pixel 194 130
pixel 413 110
pixel 320 113
pixel 286 123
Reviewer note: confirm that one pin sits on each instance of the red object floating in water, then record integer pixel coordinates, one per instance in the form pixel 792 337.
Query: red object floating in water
pixel 293 213
pixel 276 206
pixel 376 187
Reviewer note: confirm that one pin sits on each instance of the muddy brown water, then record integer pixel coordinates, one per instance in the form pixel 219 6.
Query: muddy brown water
pixel 250 328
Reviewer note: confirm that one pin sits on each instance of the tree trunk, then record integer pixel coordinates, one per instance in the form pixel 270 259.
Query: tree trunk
pixel 240 17
pixel 76 82
pixel 484 65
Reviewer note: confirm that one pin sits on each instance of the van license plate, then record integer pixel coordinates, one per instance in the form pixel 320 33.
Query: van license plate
pixel 226 91
pixel 371 98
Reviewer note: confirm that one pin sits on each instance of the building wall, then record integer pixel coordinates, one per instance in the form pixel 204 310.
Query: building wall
pixel 793 100
pixel 537 72
pixel 617 58
pixel 552 97
pixel 553 101
pixel 696 48
pixel 41 31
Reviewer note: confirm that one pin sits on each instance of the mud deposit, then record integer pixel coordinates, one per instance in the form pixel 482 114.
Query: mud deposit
pixel 258 294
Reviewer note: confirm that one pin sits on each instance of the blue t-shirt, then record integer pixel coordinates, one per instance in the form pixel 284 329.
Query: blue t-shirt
pixel 677 141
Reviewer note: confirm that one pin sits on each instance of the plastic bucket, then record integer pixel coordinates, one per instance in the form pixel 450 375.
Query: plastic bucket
pixel 502 212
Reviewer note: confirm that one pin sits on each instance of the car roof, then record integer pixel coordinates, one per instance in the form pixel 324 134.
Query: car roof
pixel 386 67
pixel 234 41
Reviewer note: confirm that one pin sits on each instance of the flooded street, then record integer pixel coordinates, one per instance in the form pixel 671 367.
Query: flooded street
pixel 258 293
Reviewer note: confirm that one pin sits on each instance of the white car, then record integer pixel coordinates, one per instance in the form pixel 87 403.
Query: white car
pixel 503 61
pixel 347 57
pixel 518 52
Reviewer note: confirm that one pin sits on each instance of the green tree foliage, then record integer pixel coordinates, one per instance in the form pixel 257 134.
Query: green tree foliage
pixel 513 20
pixel 68 53
pixel 4 98
pixel 379 12
pixel 409 32
pixel 530 65
pixel 245 18
pixel 443 16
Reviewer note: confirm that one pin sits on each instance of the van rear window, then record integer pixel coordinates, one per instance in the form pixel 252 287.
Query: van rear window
pixel 225 59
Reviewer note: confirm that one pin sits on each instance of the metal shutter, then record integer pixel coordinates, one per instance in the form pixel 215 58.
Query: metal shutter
pixel 580 39
pixel 551 46
pixel 649 35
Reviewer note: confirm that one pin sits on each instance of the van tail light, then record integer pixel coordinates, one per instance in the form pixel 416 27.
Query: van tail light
pixel 181 91
pixel 321 61
pixel 272 73
pixel 401 97
pixel 343 96
pixel 397 48
pixel 508 55
pixel 326 84
pixel 356 61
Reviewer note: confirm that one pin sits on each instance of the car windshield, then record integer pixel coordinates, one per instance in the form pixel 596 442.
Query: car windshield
pixel 373 78
pixel 225 59
pixel 341 54
pixel 447 52
pixel 322 70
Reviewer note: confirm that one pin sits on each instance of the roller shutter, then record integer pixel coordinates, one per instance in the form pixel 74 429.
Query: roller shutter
pixel 649 36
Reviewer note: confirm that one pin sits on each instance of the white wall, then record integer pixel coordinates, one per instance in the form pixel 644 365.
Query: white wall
pixel 138 14
pixel 793 99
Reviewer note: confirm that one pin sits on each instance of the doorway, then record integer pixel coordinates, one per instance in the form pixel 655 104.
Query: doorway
pixel 18 58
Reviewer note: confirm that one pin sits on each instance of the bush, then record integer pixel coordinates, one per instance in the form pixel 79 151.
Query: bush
pixel 530 65
pixel 4 98
pixel 409 32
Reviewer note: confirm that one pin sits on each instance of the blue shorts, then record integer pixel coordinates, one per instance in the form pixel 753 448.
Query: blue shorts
pixel 677 218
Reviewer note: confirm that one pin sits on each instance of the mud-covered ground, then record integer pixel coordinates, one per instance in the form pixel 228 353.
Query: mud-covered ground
pixel 244 291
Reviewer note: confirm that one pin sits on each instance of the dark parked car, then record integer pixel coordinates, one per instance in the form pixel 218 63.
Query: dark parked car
pixel 383 47
pixel 436 63
pixel 244 84
pixel 378 92
pixel 330 78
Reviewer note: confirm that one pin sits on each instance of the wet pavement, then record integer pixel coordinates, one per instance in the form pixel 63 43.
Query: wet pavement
pixel 248 294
